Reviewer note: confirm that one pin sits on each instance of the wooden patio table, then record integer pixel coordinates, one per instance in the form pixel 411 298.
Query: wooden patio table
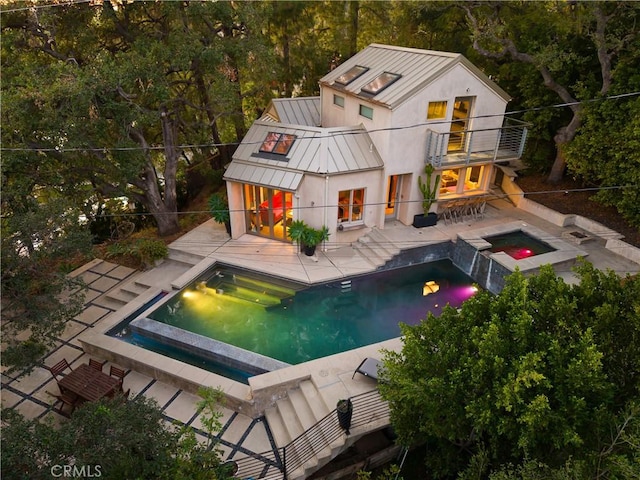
pixel 89 384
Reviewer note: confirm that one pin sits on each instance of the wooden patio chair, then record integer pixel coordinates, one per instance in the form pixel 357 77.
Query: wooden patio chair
pixel 65 399
pixel 118 373
pixel 59 367
pixel 98 365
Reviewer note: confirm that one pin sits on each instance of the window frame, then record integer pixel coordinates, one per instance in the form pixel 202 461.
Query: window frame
pixel 352 204
pixel 277 143
pixel 360 111
pixel 385 80
pixel 350 75
pixel 339 103
pixel 444 113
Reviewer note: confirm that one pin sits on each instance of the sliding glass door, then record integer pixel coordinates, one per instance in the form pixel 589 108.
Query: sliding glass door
pixel 268 211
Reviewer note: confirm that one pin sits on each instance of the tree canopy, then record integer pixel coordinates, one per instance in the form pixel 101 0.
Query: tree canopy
pixel 544 371
pixel 113 439
pixel 111 104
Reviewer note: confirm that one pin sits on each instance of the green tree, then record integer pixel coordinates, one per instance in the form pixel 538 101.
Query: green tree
pixel 38 246
pixel 574 46
pixel 118 439
pixel 606 153
pixel 109 95
pixel 540 371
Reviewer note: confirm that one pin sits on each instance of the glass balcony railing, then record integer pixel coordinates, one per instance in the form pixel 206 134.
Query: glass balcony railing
pixel 464 147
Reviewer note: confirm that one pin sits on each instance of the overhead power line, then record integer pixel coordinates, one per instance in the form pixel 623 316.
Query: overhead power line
pixel 491 196
pixel 316 137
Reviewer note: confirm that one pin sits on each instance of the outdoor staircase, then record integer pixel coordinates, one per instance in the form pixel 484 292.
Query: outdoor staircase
pixel 291 417
pixel 375 248
pixel 307 432
pixel 141 281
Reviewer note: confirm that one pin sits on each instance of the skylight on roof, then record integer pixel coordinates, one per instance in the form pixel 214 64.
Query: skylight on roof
pixel 351 74
pixel 279 143
pixel 381 82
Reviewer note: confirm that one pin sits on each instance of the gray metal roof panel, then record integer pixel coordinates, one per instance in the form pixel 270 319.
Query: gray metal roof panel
pixel 345 149
pixel 263 175
pixel 417 67
pixel 298 111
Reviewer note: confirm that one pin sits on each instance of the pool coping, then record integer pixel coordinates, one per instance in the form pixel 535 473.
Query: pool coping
pixel 262 392
pixel 563 252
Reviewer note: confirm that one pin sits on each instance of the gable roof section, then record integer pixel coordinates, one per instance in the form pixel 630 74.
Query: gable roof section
pixel 296 111
pixel 417 68
pixel 315 150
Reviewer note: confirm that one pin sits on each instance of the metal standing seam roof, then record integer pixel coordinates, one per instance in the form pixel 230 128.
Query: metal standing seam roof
pixel 265 176
pixel 296 111
pixel 417 67
pixel 315 150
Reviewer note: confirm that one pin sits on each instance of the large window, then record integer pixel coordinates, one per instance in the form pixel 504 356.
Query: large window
pixel 268 212
pixel 366 112
pixel 458 181
pixel 351 206
pixel 437 110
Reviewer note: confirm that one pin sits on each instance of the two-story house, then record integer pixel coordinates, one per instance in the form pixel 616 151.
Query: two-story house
pixel 350 158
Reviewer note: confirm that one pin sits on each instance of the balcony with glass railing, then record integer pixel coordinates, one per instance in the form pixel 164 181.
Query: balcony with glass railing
pixel 465 147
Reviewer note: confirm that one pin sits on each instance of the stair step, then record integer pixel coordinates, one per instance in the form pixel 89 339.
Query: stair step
pixel 368 254
pixel 134 288
pixel 320 446
pixel 109 303
pixel 314 399
pixel 184 257
pixel 292 423
pixel 384 243
pixel 277 427
pixel 121 295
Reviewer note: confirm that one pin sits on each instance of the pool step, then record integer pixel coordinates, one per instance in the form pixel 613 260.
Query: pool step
pixel 375 248
pixel 247 294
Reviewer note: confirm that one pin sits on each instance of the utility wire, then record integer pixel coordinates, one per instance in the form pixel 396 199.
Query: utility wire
pixel 350 132
pixel 39 6
pixel 488 197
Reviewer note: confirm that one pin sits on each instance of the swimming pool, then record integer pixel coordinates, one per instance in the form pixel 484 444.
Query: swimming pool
pixel 293 324
pixel 518 245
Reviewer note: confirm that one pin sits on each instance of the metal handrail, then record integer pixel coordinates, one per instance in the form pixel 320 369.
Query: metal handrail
pixel 368 407
pixel 478 145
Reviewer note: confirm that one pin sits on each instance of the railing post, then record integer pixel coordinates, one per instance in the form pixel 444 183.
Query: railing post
pixel 284 463
pixel 440 155
pixel 522 141
pixel 468 146
pixel 495 150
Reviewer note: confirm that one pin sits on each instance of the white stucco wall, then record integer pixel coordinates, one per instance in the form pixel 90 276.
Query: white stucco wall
pixel 404 150
pixel 318 198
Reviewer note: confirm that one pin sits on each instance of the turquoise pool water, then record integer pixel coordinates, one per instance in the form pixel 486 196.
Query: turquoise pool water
pixel 295 324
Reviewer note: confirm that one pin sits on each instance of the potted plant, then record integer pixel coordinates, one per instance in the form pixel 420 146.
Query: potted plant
pixel 308 237
pixel 427 218
pixel 311 237
pixel 295 230
pixel 219 209
pixel 344 409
